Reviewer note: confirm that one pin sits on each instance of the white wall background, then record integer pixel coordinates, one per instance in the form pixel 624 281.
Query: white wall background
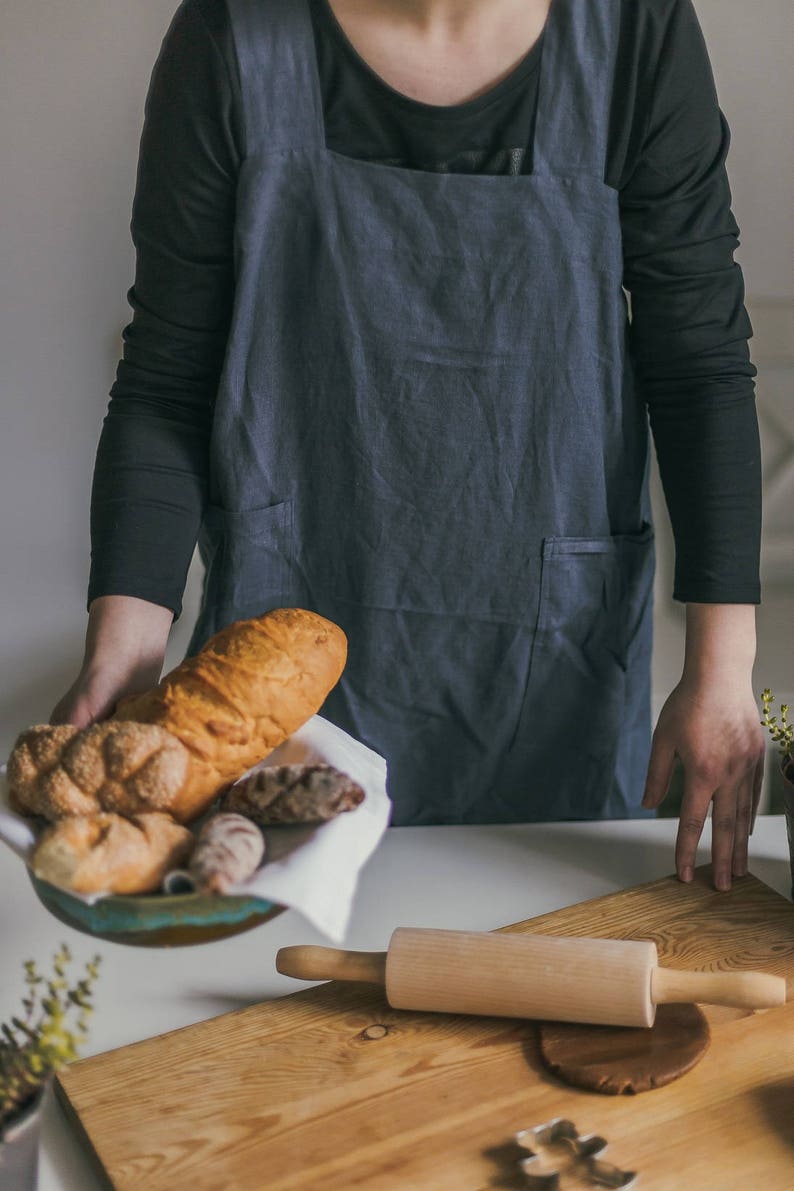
pixel 73 78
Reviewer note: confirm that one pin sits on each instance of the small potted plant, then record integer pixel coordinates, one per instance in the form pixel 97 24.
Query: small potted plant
pixel 783 735
pixel 32 1048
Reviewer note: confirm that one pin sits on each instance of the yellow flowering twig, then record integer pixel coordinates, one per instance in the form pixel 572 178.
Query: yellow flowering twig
pixel 782 733
pixel 49 1034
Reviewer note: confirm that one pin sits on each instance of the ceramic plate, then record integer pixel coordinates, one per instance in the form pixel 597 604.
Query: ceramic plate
pixel 157 920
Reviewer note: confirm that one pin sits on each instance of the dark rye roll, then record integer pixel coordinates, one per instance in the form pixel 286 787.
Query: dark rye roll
pixel 293 794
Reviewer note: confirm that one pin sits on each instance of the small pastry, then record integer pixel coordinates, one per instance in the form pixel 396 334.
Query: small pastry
pixel 229 848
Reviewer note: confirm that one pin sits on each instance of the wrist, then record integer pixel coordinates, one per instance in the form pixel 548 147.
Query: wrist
pixel 720 643
pixel 125 634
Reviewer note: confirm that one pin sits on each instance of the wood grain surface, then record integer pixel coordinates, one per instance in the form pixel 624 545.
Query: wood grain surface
pixel 331 1088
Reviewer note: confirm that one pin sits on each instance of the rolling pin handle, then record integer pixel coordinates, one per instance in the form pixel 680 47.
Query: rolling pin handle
pixel 326 963
pixel 740 990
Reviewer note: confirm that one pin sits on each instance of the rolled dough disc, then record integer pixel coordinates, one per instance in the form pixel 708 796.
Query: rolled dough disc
pixel 621 1059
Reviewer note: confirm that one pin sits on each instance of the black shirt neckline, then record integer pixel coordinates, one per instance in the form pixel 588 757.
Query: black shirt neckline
pixel 431 111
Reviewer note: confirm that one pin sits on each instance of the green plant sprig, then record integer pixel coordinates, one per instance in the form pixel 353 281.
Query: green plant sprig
pixel 782 733
pixel 50 1033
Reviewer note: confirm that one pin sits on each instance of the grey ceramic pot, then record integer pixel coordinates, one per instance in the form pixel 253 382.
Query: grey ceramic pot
pixel 788 807
pixel 19 1150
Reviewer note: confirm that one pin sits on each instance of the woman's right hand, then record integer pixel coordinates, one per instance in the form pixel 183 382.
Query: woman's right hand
pixel 94 694
pixel 124 651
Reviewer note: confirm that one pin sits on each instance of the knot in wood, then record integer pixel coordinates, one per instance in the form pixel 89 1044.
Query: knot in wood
pixel 372 1033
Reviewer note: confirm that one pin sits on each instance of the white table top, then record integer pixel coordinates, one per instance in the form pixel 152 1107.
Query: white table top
pixel 473 878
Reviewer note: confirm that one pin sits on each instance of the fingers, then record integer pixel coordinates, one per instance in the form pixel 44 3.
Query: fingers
pixel 694 812
pixel 744 815
pixel 758 781
pixel 734 806
pixel 83 705
pixel 78 713
pixel 660 771
pixel 723 836
pixel 68 711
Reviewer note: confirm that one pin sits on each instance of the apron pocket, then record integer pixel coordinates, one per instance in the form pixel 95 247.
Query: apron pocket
pixel 248 555
pixel 595 593
pixel 594 624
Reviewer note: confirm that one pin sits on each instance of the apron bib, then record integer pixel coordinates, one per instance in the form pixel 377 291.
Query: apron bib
pixel 426 430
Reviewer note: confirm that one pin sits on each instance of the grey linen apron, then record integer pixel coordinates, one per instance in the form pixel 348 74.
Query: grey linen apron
pixel 426 430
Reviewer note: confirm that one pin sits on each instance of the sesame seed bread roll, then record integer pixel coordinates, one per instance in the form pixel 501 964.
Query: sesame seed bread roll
pixel 57 770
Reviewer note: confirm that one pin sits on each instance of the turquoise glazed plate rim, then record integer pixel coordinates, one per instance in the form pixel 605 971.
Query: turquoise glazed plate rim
pixel 162 920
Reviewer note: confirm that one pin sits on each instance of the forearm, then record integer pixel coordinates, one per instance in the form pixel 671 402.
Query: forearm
pixel 708 449
pixel 150 487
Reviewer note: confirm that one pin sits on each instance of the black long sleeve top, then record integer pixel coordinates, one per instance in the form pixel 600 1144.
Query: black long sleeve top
pixel 688 337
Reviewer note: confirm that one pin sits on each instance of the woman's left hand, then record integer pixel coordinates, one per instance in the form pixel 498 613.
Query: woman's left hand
pixel 711 722
pixel 716 733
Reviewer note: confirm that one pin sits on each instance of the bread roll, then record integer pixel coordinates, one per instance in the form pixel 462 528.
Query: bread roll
pixel 229 849
pixel 56 771
pixel 108 853
pixel 293 794
pixel 251 686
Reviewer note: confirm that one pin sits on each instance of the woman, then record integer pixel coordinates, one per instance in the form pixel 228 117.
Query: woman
pixel 380 354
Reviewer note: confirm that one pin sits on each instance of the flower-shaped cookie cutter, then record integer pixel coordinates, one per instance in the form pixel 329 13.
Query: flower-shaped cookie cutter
pixel 571 1153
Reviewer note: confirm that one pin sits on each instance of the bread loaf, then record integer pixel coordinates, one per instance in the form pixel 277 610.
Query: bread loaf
pixel 55 770
pixel 251 686
pixel 107 853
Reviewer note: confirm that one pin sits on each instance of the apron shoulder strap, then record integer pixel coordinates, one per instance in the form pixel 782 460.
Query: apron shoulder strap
pixel 274 43
pixel 575 88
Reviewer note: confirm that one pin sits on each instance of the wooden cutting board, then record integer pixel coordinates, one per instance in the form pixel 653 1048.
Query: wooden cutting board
pixel 330 1088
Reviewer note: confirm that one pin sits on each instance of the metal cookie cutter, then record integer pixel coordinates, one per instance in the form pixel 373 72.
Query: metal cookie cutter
pixel 558 1149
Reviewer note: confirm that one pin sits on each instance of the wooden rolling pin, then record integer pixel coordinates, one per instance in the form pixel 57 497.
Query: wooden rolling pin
pixel 604 981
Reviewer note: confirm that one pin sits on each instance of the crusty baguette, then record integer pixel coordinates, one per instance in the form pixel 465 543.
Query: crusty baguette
pixel 107 853
pixel 250 687
pixel 55 770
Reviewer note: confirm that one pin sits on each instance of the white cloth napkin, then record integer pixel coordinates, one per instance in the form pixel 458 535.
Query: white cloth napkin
pixel 314 869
